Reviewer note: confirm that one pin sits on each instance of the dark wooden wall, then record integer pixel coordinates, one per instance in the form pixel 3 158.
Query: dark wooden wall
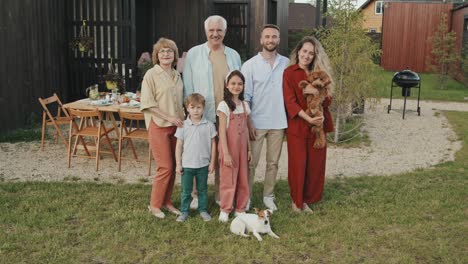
pixel 458 22
pixel 37 60
pixel 406 27
pixel 460 26
pixel 33 50
pixel 301 16
pixel 179 20
pixel 282 21
pixel 185 24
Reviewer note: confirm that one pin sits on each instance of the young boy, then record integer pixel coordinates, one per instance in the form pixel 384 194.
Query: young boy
pixel 195 156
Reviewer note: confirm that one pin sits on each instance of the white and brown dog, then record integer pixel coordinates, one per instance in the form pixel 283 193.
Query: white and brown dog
pixel 258 223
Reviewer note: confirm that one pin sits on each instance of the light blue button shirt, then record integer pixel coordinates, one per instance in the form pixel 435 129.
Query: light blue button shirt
pixel 198 75
pixel 264 91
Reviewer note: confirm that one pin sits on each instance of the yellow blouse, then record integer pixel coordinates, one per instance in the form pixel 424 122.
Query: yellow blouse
pixel 163 91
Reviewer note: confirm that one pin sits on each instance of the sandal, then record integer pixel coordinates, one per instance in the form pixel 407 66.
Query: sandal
pixel 306 208
pixel 295 208
pixel 153 211
pixel 173 210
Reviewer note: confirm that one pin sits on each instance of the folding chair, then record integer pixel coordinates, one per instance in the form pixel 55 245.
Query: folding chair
pixel 90 125
pixel 129 132
pixel 49 120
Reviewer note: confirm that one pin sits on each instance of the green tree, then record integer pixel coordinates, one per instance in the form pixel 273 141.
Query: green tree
pixel 464 64
pixel 444 59
pixel 350 51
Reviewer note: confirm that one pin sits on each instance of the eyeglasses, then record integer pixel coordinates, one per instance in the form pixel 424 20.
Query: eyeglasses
pixel 166 51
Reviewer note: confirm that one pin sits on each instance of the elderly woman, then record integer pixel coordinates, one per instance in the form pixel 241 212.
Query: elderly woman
pixel 306 164
pixel 161 103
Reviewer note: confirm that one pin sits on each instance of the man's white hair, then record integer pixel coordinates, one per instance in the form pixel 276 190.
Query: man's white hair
pixel 216 19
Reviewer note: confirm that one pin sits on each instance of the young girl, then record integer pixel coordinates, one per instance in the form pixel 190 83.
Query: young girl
pixel 234 147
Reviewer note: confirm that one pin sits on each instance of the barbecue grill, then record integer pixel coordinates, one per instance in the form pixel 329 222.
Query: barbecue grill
pixel 407 80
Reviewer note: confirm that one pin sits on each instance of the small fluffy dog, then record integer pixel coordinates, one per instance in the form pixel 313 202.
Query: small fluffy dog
pixel 258 223
pixel 317 85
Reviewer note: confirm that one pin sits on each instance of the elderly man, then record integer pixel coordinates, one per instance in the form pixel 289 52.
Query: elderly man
pixel 264 91
pixel 206 66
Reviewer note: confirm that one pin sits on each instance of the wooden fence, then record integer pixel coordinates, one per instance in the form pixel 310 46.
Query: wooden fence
pixel 37 60
pixel 460 26
pixel 111 23
pixel 33 50
pixel 405 30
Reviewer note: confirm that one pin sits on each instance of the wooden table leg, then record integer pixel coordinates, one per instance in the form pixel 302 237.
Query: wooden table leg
pixel 110 117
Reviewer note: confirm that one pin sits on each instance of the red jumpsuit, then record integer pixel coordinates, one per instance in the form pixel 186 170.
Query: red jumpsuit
pixel 306 165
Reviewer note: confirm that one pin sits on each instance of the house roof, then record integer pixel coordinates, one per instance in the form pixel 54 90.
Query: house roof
pixel 411 1
pixel 460 7
pixel 366 3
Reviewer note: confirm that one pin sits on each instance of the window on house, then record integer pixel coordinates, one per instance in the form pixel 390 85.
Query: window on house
pixel 378 7
pixel 237 17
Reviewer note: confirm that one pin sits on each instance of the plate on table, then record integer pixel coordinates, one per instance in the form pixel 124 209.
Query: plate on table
pixel 134 103
pixel 101 103
pixel 130 105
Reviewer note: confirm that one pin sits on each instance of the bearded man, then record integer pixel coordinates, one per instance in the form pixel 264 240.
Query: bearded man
pixel 264 92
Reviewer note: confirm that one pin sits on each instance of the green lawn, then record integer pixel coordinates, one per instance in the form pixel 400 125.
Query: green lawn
pixel 455 91
pixel 418 217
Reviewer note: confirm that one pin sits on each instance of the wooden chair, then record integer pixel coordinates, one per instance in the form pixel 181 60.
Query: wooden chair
pixel 129 132
pixel 90 125
pixel 49 120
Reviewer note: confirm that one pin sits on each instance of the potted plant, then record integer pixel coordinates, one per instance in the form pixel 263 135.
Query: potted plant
pixel 113 79
pixel 144 63
pixel 84 42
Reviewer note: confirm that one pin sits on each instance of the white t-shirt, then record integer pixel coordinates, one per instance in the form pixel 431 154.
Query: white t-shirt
pixel 224 108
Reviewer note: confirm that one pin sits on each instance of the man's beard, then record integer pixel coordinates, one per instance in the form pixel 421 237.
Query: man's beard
pixel 270 49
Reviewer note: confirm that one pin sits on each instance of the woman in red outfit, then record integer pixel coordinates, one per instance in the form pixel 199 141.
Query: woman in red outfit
pixel 306 165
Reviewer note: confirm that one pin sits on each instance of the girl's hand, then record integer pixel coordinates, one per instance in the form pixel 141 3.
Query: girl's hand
pixel 249 155
pixel 175 121
pixel 211 167
pixel 316 121
pixel 178 170
pixel 227 160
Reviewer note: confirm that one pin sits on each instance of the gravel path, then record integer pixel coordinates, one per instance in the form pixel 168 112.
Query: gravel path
pixel 396 146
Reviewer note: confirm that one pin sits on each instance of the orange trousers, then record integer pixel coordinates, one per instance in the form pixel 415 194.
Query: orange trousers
pixel 162 143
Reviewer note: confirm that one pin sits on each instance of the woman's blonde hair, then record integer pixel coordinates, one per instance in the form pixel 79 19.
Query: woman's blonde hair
pixel 165 43
pixel 320 60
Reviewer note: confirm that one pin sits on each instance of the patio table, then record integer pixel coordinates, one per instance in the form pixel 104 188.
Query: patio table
pixel 107 110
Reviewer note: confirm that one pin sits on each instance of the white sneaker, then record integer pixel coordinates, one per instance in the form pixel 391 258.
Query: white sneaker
pixel 247 207
pixel 223 217
pixel 238 213
pixel 194 203
pixel 269 203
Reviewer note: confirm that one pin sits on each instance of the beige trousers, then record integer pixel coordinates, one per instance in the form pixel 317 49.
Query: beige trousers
pixel 274 141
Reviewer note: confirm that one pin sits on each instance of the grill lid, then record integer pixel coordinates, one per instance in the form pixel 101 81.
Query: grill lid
pixel 406 78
